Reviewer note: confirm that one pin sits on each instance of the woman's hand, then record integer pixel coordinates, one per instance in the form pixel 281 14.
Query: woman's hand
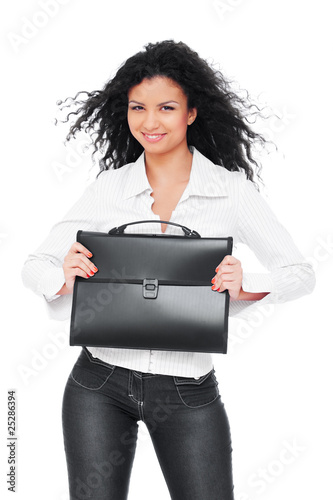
pixel 76 263
pixel 229 276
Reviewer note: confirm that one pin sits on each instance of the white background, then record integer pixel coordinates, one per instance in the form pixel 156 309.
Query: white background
pixel 276 380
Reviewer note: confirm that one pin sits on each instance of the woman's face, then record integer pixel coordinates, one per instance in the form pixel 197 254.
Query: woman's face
pixel 158 115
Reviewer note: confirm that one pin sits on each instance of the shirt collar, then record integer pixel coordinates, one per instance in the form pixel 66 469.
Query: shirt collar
pixel 206 178
pixel 137 180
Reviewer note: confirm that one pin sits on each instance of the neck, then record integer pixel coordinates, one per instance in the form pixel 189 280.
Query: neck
pixel 169 168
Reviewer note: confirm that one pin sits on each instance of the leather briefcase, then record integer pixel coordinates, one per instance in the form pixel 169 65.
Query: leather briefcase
pixel 151 291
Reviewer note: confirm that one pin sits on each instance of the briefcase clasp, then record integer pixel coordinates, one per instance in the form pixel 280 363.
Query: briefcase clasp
pixel 150 289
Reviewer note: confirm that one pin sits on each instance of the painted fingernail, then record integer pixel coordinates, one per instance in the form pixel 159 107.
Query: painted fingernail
pixel 213 280
pixel 216 269
pixel 214 287
pixel 88 276
pixel 89 254
pixel 95 269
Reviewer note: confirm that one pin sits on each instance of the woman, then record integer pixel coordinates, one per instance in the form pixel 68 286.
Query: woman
pixel 175 146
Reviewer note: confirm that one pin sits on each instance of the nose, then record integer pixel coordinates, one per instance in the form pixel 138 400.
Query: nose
pixel 150 121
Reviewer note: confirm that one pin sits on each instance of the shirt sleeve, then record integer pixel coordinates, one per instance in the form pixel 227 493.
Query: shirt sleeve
pixel 42 271
pixel 289 276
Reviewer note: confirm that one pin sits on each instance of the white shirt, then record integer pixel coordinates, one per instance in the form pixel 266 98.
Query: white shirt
pixel 215 203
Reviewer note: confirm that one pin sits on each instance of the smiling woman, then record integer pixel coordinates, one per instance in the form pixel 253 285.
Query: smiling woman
pixel 175 144
pixel 158 117
pixel 152 121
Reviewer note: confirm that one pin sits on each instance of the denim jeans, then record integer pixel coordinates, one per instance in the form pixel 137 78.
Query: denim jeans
pixel 185 418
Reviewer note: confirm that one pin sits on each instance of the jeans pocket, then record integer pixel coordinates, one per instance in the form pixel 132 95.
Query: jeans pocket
pixel 197 392
pixel 91 373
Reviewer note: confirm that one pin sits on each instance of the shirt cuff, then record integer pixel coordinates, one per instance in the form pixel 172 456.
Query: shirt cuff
pixel 257 283
pixel 51 282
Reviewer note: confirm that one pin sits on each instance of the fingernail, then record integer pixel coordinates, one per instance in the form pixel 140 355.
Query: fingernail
pixel 216 269
pixel 89 254
pixel 214 287
pixel 213 280
pixel 88 276
pixel 95 269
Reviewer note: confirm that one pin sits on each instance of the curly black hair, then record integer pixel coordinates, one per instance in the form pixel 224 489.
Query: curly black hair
pixel 221 131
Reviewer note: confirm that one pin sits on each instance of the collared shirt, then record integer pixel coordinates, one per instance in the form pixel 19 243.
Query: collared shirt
pixel 215 203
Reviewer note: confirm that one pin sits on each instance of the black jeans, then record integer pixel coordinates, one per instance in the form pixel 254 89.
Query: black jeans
pixel 185 418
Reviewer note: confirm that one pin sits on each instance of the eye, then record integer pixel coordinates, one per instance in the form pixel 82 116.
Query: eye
pixel 168 108
pixel 136 108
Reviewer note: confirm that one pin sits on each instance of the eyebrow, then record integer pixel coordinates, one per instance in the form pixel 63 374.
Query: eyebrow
pixel 160 104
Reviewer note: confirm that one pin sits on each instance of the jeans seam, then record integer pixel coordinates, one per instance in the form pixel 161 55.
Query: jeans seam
pixel 198 406
pixel 190 380
pixel 106 365
pixel 130 395
pixel 91 388
pixel 130 392
pixel 99 362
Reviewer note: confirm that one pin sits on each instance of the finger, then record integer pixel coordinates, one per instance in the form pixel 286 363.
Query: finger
pixel 228 259
pixel 79 272
pixel 227 282
pixel 226 269
pixel 226 277
pixel 78 259
pixel 78 247
pixel 223 285
pixel 218 286
pixel 82 263
pixel 219 266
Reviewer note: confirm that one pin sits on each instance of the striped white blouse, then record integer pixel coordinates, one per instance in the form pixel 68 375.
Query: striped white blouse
pixel 215 203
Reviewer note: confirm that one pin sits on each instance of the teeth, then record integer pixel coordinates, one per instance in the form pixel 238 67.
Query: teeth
pixel 153 136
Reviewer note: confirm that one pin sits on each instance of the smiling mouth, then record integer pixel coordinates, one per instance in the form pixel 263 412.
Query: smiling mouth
pixel 153 137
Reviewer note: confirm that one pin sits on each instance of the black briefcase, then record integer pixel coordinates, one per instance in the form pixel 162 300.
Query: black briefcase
pixel 151 291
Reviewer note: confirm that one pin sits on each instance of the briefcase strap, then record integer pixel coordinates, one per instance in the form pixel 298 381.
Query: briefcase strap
pixel 187 232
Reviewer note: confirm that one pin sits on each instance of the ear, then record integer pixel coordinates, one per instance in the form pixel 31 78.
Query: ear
pixel 192 114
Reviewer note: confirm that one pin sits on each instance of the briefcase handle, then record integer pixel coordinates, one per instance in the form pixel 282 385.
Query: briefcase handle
pixel 188 232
